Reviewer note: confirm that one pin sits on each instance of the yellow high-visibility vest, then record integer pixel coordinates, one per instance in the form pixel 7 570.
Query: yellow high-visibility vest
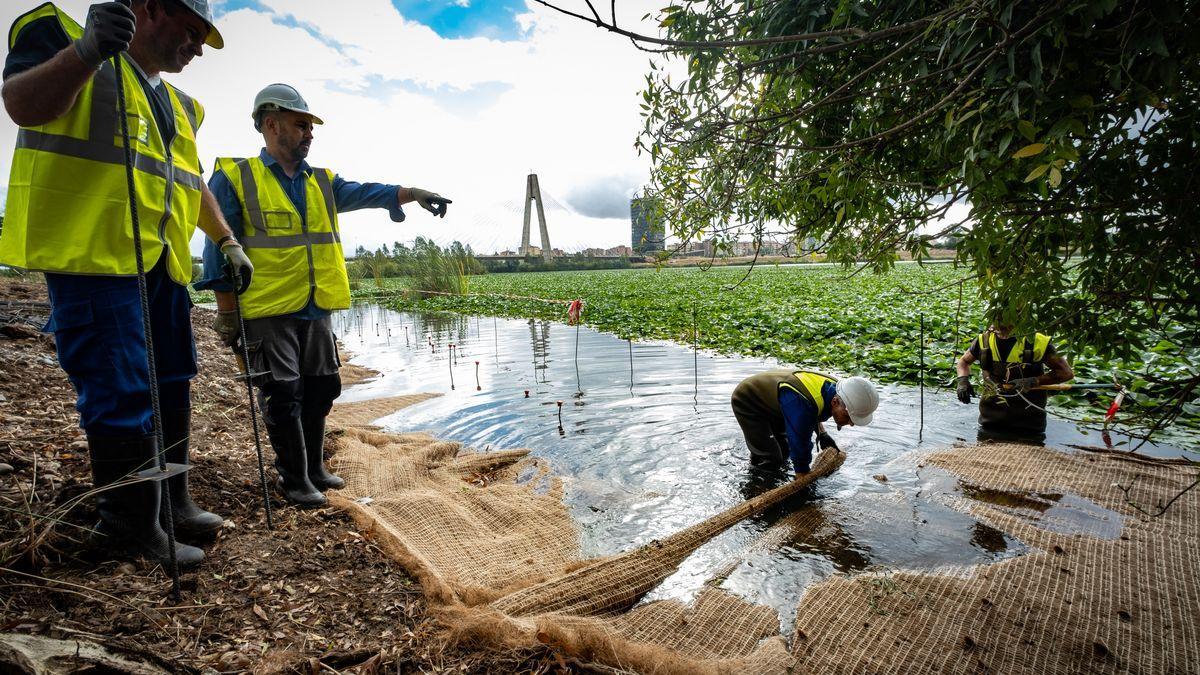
pixel 811 383
pixel 294 258
pixel 68 200
pixel 1040 342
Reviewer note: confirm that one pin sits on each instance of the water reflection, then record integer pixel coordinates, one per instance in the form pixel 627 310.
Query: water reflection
pixel 652 447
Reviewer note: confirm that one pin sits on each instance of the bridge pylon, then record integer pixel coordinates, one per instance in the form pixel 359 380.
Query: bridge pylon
pixel 533 193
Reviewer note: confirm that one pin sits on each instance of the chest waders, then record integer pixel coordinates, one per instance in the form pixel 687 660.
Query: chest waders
pixel 163 471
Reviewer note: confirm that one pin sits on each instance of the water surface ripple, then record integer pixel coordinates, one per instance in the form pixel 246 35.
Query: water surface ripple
pixel 648 446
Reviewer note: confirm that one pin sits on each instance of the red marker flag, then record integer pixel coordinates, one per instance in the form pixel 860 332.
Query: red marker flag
pixel 574 311
pixel 1116 405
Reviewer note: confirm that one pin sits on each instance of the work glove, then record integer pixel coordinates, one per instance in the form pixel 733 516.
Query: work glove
pixel 108 32
pixel 430 201
pixel 1024 384
pixel 965 390
pixel 227 327
pixel 824 440
pixel 238 269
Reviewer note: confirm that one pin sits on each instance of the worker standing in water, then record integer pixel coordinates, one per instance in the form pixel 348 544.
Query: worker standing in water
pixel 780 411
pixel 1012 406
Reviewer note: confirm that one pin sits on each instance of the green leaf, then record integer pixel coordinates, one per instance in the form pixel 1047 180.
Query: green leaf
pixel 1027 130
pixel 1055 177
pixel 1036 173
pixel 1030 150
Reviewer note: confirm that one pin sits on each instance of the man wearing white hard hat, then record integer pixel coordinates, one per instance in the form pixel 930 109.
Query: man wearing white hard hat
pixel 285 213
pixel 780 411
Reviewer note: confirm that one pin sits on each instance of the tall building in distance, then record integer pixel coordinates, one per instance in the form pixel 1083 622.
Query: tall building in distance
pixel 647 228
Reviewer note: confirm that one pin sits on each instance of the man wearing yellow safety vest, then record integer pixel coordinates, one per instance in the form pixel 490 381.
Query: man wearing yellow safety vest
pixel 285 214
pixel 779 411
pixel 68 216
pixel 1013 368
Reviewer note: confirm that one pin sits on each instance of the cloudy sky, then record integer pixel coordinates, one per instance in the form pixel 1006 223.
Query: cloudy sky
pixel 463 97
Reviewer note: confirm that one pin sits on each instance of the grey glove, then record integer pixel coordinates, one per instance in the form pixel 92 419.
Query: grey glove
pixel 430 201
pixel 108 32
pixel 824 441
pixel 965 390
pixel 239 268
pixel 226 326
pixel 1024 384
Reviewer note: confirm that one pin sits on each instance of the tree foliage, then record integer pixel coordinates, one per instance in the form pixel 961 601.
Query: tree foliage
pixel 1055 141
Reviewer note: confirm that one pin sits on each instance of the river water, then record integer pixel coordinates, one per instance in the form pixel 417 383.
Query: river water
pixel 648 445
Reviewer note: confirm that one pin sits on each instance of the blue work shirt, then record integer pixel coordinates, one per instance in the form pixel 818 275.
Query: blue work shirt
pixel 800 418
pixel 347 196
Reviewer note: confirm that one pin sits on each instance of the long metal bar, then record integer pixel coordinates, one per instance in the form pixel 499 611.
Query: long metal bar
pixel 246 373
pixel 168 513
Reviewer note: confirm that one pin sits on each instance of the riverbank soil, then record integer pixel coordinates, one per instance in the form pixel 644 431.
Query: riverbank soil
pixel 313 595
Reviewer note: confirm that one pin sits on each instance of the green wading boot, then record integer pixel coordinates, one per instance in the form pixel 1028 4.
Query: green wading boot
pixel 191 521
pixel 314 445
pixel 129 512
pixel 291 462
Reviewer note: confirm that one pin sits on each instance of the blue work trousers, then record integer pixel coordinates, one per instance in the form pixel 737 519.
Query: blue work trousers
pixel 97 326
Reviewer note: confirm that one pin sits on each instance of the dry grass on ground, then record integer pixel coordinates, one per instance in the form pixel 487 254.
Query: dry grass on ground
pixel 310 596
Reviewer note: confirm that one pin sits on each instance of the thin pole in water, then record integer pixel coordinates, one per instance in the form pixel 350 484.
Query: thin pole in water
pixel 450 362
pixel 630 340
pixel 477 387
pixel 578 384
pixel 695 358
pixel 921 427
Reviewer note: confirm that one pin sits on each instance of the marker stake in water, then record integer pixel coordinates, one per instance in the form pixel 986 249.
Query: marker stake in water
pixel 477 387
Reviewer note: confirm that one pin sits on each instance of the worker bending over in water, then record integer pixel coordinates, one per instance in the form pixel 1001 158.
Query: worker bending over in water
pixel 285 213
pixel 779 412
pixel 1011 405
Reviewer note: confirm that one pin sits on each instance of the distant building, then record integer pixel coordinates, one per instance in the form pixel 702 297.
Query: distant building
pixel 621 250
pixel 647 229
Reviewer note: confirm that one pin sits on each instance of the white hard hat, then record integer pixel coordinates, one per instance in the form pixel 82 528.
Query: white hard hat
pixel 281 96
pixel 202 9
pixel 859 397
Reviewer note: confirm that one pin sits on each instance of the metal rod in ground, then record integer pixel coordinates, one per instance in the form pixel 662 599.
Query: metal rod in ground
pixel 262 473
pixel 921 426
pixel 167 512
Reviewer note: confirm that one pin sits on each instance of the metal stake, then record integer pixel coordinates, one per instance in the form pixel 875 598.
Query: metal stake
pixel 167 511
pixel 262 473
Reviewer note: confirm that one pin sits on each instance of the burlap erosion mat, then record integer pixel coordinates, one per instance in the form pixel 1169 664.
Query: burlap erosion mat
pixel 496 550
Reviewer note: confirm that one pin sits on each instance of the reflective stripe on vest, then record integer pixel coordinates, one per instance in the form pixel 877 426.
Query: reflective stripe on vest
pixel 294 257
pixel 811 383
pixel 1040 342
pixel 68 201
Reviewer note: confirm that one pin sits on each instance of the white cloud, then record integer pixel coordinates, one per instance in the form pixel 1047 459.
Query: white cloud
pixel 467 118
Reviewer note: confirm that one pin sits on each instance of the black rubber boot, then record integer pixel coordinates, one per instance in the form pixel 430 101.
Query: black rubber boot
pixel 314 445
pixel 190 520
pixel 129 514
pixel 287 438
